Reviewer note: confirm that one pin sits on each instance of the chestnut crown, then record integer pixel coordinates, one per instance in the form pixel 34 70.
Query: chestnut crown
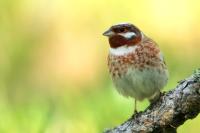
pixel 123 34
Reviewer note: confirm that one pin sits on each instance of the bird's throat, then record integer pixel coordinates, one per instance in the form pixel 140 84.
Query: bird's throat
pixel 123 50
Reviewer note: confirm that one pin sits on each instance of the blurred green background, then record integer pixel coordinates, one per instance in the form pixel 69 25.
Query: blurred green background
pixel 53 68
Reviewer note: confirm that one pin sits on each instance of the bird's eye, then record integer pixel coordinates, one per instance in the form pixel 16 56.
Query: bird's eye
pixel 119 30
pixel 122 30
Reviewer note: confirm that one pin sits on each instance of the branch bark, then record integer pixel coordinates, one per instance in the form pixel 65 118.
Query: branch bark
pixel 169 112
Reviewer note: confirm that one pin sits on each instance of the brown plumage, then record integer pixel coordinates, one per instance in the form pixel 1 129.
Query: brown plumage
pixel 135 63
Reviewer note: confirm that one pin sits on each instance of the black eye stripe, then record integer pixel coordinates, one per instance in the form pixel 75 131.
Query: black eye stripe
pixel 118 30
pixel 122 30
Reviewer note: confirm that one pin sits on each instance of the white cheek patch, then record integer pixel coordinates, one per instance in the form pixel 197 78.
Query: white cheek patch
pixel 128 35
pixel 123 50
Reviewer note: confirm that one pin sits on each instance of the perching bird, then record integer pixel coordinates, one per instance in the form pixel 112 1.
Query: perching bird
pixel 135 62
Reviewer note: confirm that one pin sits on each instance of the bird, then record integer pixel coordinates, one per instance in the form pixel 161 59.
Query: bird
pixel 136 63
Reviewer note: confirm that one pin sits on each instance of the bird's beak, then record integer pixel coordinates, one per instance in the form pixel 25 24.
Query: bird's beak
pixel 108 33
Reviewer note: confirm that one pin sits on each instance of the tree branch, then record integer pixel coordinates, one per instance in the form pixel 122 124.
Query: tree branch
pixel 169 112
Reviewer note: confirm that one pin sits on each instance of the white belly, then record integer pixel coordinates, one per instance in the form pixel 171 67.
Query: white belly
pixel 141 84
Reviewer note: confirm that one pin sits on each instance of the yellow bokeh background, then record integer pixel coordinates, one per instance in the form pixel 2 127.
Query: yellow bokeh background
pixel 53 65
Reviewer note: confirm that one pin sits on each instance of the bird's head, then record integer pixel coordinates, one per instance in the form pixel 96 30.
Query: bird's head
pixel 123 34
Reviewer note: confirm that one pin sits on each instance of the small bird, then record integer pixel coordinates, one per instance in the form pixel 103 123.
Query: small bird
pixel 135 62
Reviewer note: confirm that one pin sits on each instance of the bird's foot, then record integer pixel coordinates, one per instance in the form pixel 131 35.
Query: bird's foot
pixel 135 111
